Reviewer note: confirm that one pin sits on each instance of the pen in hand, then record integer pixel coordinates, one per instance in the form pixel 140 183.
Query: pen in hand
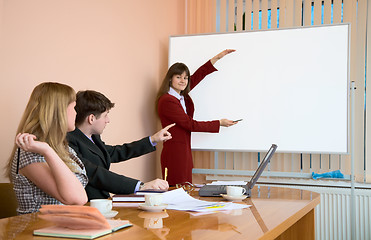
pixel 165 173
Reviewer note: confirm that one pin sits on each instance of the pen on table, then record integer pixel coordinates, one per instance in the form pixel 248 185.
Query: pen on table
pixel 165 173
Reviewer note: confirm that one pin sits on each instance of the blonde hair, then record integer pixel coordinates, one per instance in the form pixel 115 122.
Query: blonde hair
pixel 45 116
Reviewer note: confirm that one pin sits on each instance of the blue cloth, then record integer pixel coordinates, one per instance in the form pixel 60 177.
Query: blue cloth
pixel 333 174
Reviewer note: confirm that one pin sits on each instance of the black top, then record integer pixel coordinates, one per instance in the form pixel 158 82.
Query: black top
pixel 98 157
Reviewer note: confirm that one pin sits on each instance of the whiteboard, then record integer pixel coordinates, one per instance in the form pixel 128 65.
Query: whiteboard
pixel 290 87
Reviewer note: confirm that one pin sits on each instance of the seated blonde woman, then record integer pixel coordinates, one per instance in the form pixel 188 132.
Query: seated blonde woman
pixel 42 168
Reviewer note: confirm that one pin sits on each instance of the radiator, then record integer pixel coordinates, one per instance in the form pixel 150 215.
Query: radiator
pixel 333 214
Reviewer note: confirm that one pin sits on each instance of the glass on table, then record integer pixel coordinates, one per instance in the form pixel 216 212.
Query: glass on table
pixel 187 186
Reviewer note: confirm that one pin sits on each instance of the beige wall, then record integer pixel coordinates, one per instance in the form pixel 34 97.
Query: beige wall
pixel 118 47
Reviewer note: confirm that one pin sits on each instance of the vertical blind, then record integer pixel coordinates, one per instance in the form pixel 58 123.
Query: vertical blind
pixel 208 16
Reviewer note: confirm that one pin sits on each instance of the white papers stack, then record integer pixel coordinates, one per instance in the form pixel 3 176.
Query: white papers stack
pixel 179 200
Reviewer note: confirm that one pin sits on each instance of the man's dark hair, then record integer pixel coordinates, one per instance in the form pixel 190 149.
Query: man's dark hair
pixel 91 102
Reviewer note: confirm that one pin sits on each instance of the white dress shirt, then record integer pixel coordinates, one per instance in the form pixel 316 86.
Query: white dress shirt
pixel 172 92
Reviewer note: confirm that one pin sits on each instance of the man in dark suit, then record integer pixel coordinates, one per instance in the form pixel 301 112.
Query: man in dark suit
pixel 92 116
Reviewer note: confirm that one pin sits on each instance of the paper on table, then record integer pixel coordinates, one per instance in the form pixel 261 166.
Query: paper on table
pixel 227 207
pixel 179 200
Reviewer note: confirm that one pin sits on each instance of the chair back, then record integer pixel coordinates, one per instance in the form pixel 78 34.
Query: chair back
pixel 8 201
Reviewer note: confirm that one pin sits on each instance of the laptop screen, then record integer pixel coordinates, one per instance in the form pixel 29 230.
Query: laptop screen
pixel 210 190
pixel 262 166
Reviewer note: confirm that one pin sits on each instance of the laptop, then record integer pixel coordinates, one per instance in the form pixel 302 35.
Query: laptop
pixel 216 190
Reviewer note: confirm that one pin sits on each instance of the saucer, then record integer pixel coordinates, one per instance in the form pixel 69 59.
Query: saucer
pixel 110 214
pixel 233 198
pixel 158 208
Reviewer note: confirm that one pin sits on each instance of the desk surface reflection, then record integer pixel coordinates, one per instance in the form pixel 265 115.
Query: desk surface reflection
pixel 275 213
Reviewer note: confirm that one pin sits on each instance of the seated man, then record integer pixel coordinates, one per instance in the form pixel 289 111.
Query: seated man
pixel 92 116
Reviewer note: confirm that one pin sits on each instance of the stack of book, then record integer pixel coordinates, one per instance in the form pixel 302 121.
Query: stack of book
pixel 132 200
pixel 127 200
pixel 82 222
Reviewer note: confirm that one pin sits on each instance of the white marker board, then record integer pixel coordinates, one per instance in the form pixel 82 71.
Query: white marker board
pixel 290 87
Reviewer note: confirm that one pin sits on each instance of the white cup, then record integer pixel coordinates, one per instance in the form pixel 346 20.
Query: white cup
pixel 235 191
pixel 103 205
pixel 153 199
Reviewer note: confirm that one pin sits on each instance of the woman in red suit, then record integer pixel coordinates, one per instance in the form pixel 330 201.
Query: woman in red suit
pixel 174 105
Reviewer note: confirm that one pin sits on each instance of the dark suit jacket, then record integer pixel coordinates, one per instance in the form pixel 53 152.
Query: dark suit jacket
pixel 176 154
pixel 98 158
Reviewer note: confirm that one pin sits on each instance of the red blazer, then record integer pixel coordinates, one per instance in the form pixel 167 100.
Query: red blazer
pixel 176 154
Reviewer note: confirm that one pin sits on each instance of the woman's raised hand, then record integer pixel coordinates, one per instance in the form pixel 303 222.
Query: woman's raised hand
pixel 221 55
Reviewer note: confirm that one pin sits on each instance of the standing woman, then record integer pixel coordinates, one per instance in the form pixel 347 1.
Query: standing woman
pixel 174 105
pixel 42 168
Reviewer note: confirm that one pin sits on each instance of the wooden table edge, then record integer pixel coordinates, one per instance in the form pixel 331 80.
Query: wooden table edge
pixel 282 227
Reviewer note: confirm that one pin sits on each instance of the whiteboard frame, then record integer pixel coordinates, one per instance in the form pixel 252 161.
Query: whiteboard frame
pixel 263 148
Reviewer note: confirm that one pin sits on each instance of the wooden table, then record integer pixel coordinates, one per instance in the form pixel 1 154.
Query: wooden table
pixel 281 213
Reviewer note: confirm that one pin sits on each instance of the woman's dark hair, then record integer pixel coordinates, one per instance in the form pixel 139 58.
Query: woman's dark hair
pixel 91 102
pixel 175 69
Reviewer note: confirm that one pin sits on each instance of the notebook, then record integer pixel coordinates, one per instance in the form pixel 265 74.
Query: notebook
pixel 216 190
pixel 128 198
pixel 57 231
pixel 72 221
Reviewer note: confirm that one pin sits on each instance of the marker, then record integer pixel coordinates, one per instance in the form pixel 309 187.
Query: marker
pixel 237 120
